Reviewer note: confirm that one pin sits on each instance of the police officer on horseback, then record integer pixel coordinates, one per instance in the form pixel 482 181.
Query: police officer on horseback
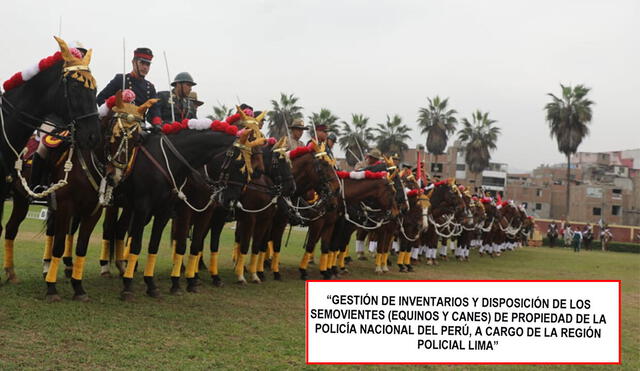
pixel 183 106
pixel 136 81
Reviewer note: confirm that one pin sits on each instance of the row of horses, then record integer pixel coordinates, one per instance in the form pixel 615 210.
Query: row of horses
pixel 201 175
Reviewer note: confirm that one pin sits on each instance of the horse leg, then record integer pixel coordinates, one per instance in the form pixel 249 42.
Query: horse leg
pixel 122 226
pixel 313 234
pixel 67 258
pixel 179 229
pixel 159 222
pixel 260 244
pixel 361 235
pixel 62 221
pixel 108 239
pixel 216 225
pixel 18 213
pixel 50 233
pixel 201 222
pixel 87 224
pixel 244 228
pixel 140 218
pixel 278 226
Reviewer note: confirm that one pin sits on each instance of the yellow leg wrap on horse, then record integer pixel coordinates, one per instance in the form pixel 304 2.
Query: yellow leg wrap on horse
pixel 174 243
pixel 275 262
pixel 52 275
pixel 341 256
pixel 120 250
pixel 304 263
pixel 78 267
pixel 270 250
pixel 177 265
pixel 213 264
pixel 407 257
pixel 378 259
pixel 192 265
pixel 324 262
pixel 235 252
pixel 150 268
pixel 104 251
pixel 8 253
pixel 48 248
pixel 330 256
pixel 198 261
pixel 385 258
pixel 346 252
pixel 260 266
pixel 400 257
pixel 240 265
pixel 132 259
pixel 253 263
pixel 68 246
pixel 127 248
pixel 334 262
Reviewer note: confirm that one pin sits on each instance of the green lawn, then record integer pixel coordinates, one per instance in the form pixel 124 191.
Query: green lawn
pixel 233 327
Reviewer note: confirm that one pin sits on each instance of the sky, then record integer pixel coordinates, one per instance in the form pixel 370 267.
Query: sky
pixel 377 58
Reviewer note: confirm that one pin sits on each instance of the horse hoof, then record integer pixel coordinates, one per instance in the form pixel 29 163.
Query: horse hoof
pixel 68 272
pixel 193 289
pixel 53 298
pixel 106 274
pixel 303 274
pixel 127 296
pixel 241 282
pixel 154 293
pixel 344 271
pixel 217 282
pixel 276 276
pixel 197 282
pixel 83 298
pixel 177 291
pixel 261 276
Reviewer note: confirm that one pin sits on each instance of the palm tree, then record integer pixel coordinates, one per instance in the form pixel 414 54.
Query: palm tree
pixel 568 118
pixel 220 112
pixel 479 138
pixel 392 136
pixel 325 117
pixel 283 113
pixel 355 138
pixel 438 122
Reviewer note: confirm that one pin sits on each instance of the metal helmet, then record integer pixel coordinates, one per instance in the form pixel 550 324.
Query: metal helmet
pixel 183 77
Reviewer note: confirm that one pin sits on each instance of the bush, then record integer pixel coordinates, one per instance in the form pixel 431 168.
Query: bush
pixel 596 245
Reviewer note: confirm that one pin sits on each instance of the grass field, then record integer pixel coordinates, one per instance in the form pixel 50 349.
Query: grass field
pixel 233 327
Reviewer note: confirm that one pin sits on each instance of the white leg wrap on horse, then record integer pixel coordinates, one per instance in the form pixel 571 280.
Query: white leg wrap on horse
pixel 395 246
pixel 433 253
pixel 443 250
pixel 415 251
pixel 424 251
pixel 359 246
pixel 373 246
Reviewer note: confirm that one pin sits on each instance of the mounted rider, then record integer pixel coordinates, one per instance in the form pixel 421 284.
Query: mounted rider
pixel 183 106
pixel 137 82
pixel 296 129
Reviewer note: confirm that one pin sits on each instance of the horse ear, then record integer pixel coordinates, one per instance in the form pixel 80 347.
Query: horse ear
pixel 64 49
pixel 281 143
pixel 146 105
pixel 87 57
pixel 119 103
pixel 430 193
pixel 261 116
pixel 243 115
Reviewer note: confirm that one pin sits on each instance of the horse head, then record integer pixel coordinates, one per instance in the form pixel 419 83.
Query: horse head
pixel 278 167
pixel 74 98
pixel 122 133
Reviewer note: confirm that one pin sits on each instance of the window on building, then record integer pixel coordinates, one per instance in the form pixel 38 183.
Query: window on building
pixel 616 191
pixel 597 211
pixel 460 166
pixel 615 210
pixel 493 181
pixel 538 206
pixel 538 192
pixel 436 168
